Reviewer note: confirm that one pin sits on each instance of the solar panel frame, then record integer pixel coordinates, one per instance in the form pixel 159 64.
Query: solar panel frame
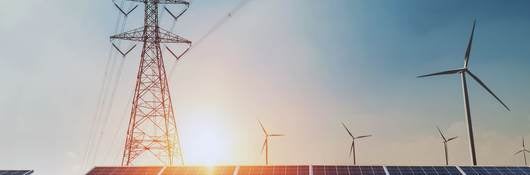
pixel 490 170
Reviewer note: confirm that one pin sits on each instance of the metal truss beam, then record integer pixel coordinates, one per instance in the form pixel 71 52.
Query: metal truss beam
pixel 138 36
pixel 163 1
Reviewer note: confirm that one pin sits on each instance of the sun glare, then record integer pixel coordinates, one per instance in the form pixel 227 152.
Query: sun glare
pixel 207 144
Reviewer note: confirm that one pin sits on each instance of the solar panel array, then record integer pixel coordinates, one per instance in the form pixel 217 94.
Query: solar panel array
pixel 471 170
pixel 273 170
pixel 125 171
pixel 218 170
pixel 421 170
pixel 16 172
pixel 309 170
pixel 348 170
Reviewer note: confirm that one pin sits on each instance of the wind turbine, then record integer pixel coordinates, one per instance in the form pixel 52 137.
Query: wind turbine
pixel 463 72
pixel 524 151
pixel 266 142
pixel 445 141
pixel 353 138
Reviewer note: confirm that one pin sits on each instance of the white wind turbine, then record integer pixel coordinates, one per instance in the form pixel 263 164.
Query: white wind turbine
pixel 445 141
pixel 265 146
pixel 463 72
pixel 353 138
pixel 524 151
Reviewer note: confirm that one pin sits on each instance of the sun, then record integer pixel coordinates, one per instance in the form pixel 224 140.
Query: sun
pixel 206 144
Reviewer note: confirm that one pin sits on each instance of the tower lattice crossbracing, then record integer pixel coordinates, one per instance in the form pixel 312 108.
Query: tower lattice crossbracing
pixel 152 130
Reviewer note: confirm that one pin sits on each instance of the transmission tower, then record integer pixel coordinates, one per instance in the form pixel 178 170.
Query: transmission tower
pixel 152 131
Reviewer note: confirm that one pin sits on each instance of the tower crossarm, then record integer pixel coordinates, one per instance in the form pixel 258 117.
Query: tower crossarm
pixel 138 35
pixel 186 2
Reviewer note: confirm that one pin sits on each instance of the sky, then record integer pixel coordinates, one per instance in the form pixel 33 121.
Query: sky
pixel 300 66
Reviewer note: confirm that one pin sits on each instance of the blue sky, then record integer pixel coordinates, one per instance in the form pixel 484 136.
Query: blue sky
pixel 301 66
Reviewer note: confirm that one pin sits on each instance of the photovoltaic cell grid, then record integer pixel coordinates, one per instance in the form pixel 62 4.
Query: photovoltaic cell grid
pixel 300 170
pixel 218 170
pixel 348 170
pixel 421 170
pixel 16 172
pixel 470 170
pixel 273 170
pixel 125 171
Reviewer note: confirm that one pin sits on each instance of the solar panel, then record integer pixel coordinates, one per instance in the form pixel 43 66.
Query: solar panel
pixel 300 170
pixel 273 170
pixel 218 170
pixel 348 170
pixel 16 172
pixel 125 171
pixel 485 170
pixel 420 170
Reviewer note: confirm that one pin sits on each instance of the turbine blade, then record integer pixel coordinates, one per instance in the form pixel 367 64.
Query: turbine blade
pixel 276 135
pixel 347 130
pixel 487 89
pixel 523 143
pixel 263 146
pixel 351 149
pixel 442 73
pixel 518 152
pixel 440 131
pixel 468 49
pixel 263 128
pixel 527 151
pixel 452 138
pixel 360 137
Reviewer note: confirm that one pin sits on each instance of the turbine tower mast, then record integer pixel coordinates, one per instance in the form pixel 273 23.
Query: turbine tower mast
pixel 152 131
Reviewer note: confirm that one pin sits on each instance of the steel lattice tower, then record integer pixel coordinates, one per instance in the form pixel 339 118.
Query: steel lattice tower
pixel 152 131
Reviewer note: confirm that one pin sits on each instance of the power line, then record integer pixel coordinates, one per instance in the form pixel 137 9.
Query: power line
pixel 117 130
pixel 214 28
pixel 106 114
pixel 108 111
pixel 109 67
